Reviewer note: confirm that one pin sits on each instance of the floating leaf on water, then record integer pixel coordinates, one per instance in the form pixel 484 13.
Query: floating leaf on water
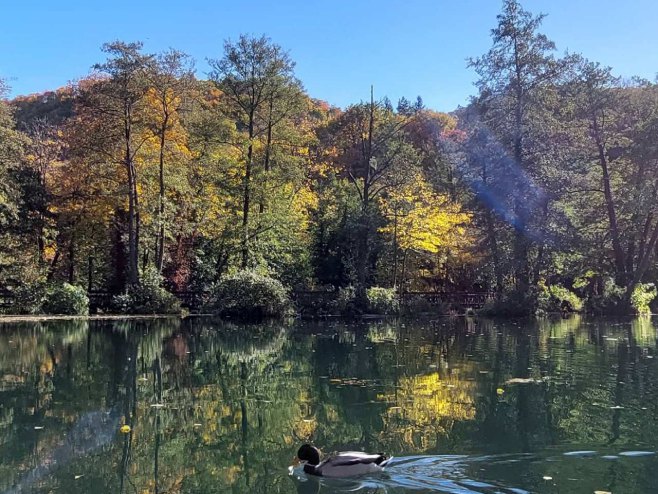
pixel 635 454
pixel 125 429
pixel 500 391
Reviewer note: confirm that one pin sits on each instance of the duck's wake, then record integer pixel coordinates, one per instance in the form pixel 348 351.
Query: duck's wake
pixel 443 474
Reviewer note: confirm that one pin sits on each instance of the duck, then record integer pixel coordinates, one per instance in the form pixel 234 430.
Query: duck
pixel 344 464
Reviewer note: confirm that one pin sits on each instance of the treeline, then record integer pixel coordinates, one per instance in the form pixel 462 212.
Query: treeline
pixel 544 189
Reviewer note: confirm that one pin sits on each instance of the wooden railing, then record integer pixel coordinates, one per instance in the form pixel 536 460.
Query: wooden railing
pixel 464 300
pixel 461 300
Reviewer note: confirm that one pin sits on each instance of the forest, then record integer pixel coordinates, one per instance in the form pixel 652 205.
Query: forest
pixel 143 180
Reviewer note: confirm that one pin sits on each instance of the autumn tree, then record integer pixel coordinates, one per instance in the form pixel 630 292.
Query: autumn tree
pixel 374 154
pixel 423 222
pixel 171 81
pixel 110 112
pixel 12 154
pixel 257 79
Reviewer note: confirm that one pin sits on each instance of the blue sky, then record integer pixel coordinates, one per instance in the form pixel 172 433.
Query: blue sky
pixel 404 48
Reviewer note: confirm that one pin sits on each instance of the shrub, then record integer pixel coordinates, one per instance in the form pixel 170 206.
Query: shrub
pixel 346 300
pixel 515 303
pixel 28 298
pixel 417 304
pixel 66 299
pixel 382 300
pixel 250 295
pixel 642 296
pixel 149 297
pixel 556 298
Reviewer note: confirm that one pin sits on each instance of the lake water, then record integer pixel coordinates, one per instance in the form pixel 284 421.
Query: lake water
pixel 464 405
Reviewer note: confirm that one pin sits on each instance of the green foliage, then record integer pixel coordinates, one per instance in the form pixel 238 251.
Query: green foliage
pixel 149 297
pixel 250 295
pixel 346 300
pixel 383 300
pixel 608 301
pixel 515 303
pixel 66 299
pixel 556 298
pixel 414 304
pixel 28 298
pixel 642 296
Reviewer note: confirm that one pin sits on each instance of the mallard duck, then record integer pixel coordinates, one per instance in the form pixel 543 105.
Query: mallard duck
pixel 345 464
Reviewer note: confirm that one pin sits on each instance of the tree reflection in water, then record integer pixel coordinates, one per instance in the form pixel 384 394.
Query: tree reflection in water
pixel 221 407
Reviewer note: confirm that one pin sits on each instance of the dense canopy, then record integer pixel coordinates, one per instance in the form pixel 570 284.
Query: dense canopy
pixel 548 178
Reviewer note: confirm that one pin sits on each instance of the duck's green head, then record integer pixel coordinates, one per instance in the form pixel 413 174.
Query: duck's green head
pixel 309 454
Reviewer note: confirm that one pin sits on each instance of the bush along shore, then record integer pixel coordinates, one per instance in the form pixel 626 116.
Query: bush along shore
pixel 250 295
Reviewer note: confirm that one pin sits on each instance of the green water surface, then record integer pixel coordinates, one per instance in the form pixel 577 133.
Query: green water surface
pixel 464 405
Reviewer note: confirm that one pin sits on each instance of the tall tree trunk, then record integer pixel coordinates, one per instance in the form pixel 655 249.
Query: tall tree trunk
pixel 620 265
pixel 492 239
pixel 364 241
pixel 520 248
pixel 268 151
pixel 71 276
pixel 520 206
pixel 133 219
pixel 643 265
pixel 159 254
pixel 645 236
pixel 395 249
pixel 247 193
pixel 493 245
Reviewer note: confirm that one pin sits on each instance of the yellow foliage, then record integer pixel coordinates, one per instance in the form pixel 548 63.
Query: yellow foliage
pixel 422 219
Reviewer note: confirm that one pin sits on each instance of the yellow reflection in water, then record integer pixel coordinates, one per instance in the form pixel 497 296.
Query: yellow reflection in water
pixel 425 407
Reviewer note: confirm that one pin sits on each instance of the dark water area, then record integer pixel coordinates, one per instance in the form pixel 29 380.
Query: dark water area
pixel 464 405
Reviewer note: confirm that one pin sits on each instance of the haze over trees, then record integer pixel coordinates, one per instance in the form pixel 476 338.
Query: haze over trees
pixel 547 182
